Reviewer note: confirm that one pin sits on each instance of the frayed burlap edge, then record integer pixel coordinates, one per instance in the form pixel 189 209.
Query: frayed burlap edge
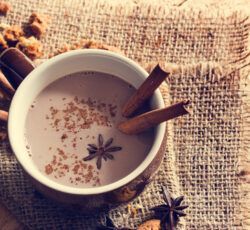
pixel 154 8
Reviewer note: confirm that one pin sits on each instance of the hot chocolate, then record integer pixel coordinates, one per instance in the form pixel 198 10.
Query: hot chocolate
pixel 72 135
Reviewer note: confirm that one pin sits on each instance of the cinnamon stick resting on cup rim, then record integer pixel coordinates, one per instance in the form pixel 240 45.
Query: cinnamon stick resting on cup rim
pixel 145 91
pixel 152 118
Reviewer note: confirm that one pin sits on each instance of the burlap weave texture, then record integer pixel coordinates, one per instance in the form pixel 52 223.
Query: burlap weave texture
pixel 204 148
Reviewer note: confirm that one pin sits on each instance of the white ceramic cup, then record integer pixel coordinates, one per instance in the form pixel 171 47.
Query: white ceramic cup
pixel 53 69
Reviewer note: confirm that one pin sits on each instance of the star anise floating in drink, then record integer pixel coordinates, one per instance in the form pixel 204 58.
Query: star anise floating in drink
pixel 101 151
pixel 109 225
pixel 170 212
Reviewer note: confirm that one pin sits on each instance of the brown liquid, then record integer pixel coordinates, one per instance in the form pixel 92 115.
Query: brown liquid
pixel 70 114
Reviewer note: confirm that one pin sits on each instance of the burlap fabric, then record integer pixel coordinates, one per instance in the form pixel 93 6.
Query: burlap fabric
pixel 206 159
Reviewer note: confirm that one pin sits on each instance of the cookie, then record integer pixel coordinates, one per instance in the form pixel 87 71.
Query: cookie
pixel 4 7
pixel 150 225
pixel 38 24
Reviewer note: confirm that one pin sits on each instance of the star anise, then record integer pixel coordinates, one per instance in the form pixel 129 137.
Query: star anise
pixel 109 225
pixel 101 151
pixel 170 212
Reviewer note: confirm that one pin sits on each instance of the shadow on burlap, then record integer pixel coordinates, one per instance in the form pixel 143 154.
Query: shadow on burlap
pixel 205 158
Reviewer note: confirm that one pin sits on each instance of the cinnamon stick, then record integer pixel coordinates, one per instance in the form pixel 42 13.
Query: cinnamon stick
pixel 3 115
pixel 150 119
pixel 145 91
pixel 15 65
pixel 6 86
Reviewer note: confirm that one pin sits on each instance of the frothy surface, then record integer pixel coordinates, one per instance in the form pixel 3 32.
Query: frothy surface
pixel 70 114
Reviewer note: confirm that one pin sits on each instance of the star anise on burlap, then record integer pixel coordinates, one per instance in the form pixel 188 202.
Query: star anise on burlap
pixel 170 212
pixel 101 151
pixel 109 225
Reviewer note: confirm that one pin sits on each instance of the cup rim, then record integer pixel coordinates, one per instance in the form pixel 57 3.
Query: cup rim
pixel 159 135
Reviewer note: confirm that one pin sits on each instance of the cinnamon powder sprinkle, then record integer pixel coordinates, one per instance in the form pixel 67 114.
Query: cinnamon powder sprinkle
pixel 75 115
pixel 63 163
pixel 64 136
pixel 48 169
pixel 81 114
